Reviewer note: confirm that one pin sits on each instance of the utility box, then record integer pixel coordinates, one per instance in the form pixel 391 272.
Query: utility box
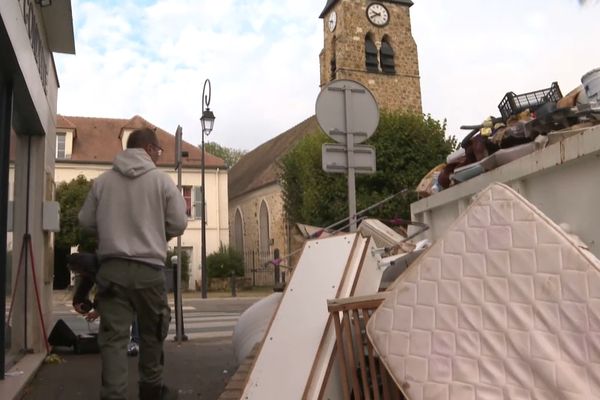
pixel 51 216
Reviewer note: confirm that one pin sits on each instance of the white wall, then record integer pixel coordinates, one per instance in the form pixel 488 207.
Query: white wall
pixel 561 180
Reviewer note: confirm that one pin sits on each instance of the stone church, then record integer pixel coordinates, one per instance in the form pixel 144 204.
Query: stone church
pixel 366 41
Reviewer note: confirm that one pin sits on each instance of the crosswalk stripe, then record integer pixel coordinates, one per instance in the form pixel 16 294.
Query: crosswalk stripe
pixel 184 308
pixel 206 335
pixel 195 325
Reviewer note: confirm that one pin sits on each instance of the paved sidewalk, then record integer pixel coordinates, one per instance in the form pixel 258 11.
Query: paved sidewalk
pixel 198 369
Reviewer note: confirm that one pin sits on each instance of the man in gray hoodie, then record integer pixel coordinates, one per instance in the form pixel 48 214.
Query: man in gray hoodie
pixel 134 209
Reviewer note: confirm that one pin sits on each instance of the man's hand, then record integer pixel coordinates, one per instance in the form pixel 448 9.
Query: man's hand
pixel 82 308
pixel 92 316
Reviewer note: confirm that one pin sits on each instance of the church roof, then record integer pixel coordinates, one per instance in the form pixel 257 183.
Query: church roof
pixel 259 168
pixel 331 3
pixel 98 140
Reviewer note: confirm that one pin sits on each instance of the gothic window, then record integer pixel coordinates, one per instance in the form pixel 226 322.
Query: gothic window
pixel 371 61
pixel 333 63
pixel 386 55
pixel 238 231
pixel 264 240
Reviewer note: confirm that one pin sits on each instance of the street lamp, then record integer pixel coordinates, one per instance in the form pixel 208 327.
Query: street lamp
pixel 208 121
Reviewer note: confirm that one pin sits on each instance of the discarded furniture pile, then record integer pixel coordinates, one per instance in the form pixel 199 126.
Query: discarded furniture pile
pixel 528 122
pixel 505 304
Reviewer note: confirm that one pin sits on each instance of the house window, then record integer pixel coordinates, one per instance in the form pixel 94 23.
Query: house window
pixel 371 61
pixel 61 146
pixel 386 55
pixel 186 191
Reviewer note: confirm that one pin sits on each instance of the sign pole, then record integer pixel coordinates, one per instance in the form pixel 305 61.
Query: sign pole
pixel 348 113
pixel 350 154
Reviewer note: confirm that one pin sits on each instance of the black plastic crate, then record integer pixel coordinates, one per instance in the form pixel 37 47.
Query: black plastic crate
pixel 513 104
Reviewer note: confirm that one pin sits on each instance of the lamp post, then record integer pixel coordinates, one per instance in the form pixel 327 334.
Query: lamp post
pixel 208 121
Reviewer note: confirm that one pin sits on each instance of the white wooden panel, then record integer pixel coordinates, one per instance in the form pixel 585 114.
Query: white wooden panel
pixel 364 276
pixel 282 367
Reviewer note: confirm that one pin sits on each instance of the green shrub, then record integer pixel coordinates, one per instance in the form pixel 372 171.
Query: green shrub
pixel 185 264
pixel 225 261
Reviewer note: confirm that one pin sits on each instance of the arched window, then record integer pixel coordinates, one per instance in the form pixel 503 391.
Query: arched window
pixel 333 62
pixel 371 61
pixel 238 231
pixel 386 55
pixel 264 234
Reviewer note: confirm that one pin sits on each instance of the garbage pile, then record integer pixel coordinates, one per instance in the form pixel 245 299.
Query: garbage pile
pixel 528 122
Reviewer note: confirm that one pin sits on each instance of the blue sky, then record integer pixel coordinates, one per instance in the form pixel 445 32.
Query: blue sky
pixel 151 57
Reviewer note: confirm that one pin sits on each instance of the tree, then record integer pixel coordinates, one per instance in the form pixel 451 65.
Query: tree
pixel 228 154
pixel 71 196
pixel 407 146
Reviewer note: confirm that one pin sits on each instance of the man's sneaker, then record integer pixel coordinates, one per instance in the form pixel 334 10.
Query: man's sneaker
pixel 133 349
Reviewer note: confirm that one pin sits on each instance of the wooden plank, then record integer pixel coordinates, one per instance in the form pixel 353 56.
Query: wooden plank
pixel 283 366
pixel 321 369
pixel 365 281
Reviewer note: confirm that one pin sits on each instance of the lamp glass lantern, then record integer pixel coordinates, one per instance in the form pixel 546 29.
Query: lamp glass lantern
pixel 208 121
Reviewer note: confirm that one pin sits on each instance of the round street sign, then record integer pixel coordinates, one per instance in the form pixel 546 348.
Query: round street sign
pixel 346 107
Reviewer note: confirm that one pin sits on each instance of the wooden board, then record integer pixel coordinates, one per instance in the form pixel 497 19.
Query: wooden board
pixel 284 364
pixel 362 278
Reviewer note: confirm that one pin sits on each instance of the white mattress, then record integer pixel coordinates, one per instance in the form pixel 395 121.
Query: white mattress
pixel 504 306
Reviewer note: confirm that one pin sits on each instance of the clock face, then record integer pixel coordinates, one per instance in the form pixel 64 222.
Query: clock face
pixel 332 21
pixel 378 14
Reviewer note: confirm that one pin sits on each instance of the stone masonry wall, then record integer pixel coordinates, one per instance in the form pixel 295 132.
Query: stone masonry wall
pixel 249 206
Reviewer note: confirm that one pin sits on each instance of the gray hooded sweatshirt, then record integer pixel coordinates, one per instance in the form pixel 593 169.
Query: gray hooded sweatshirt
pixel 134 209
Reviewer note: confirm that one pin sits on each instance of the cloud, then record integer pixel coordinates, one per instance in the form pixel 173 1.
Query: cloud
pixel 151 58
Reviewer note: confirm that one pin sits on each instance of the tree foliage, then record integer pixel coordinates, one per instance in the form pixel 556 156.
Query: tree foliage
pixel 407 146
pixel 224 262
pixel 228 154
pixel 71 196
pixel 185 263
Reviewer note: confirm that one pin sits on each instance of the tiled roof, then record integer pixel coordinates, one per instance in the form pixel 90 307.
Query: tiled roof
pixel 98 140
pixel 258 168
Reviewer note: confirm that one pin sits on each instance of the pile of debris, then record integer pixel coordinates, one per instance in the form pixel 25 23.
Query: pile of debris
pixel 528 122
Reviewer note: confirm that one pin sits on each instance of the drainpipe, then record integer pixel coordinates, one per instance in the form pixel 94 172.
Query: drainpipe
pixel 218 207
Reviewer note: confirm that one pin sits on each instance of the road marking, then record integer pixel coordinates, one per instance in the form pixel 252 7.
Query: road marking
pixel 204 335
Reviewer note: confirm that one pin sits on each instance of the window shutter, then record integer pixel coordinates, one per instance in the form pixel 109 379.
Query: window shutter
pixel 387 58
pixel 198 202
pixel 371 61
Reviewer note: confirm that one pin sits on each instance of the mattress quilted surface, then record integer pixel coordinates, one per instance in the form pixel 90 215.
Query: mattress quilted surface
pixel 504 306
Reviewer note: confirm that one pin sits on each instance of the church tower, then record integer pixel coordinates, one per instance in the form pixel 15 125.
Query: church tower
pixel 371 42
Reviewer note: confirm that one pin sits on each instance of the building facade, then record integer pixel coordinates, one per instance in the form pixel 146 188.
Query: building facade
pixel 366 41
pixel 29 35
pixel 87 146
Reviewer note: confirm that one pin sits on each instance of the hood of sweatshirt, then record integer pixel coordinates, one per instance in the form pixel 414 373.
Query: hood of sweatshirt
pixel 133 163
